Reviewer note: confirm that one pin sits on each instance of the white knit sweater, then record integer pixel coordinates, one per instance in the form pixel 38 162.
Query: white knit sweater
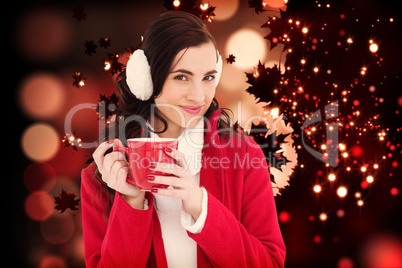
pixel 181 250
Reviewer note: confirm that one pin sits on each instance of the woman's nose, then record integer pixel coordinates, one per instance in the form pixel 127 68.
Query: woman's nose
pixel 196 94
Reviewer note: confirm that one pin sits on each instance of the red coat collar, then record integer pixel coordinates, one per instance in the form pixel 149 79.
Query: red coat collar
pixel 211 128
pixel 212 176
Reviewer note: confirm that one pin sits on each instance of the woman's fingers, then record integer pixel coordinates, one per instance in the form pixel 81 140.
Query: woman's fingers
pixel 109 159
pixel 183 188
pixel 117 179
pixel 118 173
pixel 116 166
pixel 117 143
pixel 167 180
pixel 178 156
pixel 168 192
pixel 99 153
pixel 167 168
pixel 114 170
pixel 184 185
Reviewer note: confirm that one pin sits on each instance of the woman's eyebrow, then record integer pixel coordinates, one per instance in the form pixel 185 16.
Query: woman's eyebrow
pixel 190 73
pixel 182 71
pixel 211 72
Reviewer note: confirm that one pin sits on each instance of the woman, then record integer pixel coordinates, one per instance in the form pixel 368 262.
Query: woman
pixel 219 209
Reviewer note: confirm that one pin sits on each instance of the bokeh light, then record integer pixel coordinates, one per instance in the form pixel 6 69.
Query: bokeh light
pixel 39 206
pixel 44 35
pixel 58 228
pixel 317 188
pixel 249 47
pixel 342 146
pixel 176 3
pixel 42 96
pixel 40 142
pixel 275 3
pixel 317 239
pixel 340 213
pixel 342 191
pixel 39 177
pixel 345 262
pixel 52 261
pixel 78 245
pixel 394 191
pixel 284 216
pixel 382 251
pixel 331 177
pixel 68 163
pixel 357 151
pixel 227 8
pixel 231 80
pixel 373 46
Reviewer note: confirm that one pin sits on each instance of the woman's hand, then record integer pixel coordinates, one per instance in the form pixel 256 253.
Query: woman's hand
pixel 184 185
pixel 114 169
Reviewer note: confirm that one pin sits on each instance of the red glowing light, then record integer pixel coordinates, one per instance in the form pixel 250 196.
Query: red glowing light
pixel 284 216
pixel 39 207
pixel 382 251
pixel 364 184
pixel 317 239
pixel 400 101
pixel 394 191
pixel 357 151
pixel 345 262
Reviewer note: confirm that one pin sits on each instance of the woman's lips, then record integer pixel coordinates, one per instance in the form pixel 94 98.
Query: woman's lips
pixel 191 109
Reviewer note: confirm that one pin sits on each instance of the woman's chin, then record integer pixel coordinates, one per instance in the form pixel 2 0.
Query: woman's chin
pixel 192 121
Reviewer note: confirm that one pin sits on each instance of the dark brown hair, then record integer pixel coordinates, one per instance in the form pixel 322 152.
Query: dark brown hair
pixel 166 36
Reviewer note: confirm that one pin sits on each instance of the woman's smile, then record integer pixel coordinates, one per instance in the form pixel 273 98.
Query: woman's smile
pixel 191 109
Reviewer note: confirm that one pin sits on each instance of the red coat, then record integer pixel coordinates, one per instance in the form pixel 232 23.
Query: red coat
pixel 241 228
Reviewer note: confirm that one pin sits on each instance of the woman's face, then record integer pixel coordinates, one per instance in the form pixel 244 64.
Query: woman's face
pixel 189 87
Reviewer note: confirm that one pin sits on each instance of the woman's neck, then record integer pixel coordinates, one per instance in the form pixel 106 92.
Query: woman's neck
pixel 173 130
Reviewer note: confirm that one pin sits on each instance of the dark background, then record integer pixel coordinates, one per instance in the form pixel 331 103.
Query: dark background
pixel 362 233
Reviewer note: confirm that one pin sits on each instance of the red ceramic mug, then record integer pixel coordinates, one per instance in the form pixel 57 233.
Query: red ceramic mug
pixel 141 152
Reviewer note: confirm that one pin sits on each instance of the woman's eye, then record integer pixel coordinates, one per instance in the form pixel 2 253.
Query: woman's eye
pixel 181 78
pixel 209 78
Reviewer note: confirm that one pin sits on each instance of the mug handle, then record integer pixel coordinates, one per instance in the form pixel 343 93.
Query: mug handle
pixel 121 149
